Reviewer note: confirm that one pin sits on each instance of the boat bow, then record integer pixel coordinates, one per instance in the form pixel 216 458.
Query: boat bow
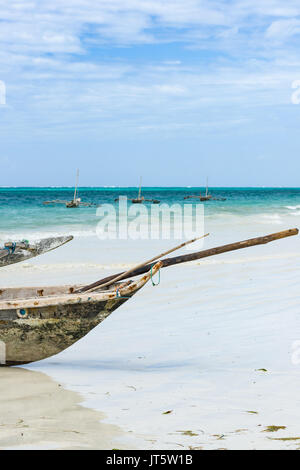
pixel 15 252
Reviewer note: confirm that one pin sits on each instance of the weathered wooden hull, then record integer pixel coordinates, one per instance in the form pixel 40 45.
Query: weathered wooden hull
pixel 49 330
pixel 137 201
pixel 43 322
pixel 73 204
pixel 39 248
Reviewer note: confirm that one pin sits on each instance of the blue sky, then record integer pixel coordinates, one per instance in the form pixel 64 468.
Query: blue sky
pixel 174 90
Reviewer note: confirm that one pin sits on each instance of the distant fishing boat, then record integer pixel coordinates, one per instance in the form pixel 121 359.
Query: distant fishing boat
pixel 140 199
pixel 206 197
pixel 75 202
pixel 39 322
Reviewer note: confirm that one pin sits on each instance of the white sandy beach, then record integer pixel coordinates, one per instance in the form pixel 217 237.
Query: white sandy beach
pixel 212 345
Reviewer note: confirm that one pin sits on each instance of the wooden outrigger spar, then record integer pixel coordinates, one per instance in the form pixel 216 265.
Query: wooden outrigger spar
pixel 36 323
pixel 199 255
pixel 69 204
pixel 127 274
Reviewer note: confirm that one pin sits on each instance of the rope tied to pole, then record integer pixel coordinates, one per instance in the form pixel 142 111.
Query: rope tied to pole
pixel 154 284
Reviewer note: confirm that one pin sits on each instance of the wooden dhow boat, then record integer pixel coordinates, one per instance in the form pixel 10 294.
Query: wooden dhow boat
pixel 141 199
pixel 39 322
pixel 206 197
pixel 36 323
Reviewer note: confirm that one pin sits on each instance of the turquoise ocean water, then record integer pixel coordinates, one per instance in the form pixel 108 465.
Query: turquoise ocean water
pixel 23 214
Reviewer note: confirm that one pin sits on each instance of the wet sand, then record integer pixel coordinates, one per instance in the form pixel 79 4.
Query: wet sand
pixel 37 412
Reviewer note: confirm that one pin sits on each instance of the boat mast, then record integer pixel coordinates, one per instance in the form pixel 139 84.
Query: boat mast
pixel 76 185
pixel 140 189
pixel 206 194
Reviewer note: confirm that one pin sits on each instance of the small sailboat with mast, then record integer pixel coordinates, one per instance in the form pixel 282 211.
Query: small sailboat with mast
pixel 206 196
pixel 201 197
pixel 75 202
pixel 140 199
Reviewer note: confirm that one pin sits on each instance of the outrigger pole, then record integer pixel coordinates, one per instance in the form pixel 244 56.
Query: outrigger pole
pixel 127 274
pixel 197 255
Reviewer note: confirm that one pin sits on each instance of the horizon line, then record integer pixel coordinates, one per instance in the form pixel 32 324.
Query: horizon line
pixel 150 187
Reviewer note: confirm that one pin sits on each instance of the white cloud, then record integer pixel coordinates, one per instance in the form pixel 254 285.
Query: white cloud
pixel 63 23
pixel 283 29
pixel 70 26
pixel 55 81
pixel 176 90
